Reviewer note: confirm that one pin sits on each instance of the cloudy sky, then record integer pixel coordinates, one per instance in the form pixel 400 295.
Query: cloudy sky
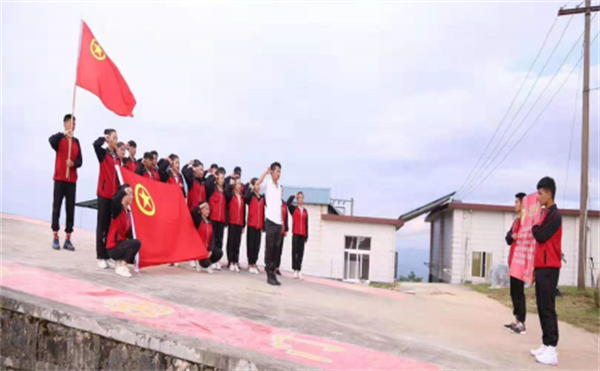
pixel 387 102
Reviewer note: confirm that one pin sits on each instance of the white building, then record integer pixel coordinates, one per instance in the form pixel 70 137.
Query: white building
pixel 342 247
pixel 468 239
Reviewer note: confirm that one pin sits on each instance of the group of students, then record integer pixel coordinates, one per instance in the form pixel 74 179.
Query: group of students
pixel 547 263
pixel 216 203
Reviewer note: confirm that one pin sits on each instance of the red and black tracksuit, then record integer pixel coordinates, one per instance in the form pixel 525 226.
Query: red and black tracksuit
pixel 236 221
pixel 196 188
pixel 547 263
pixel 131 164
pixel 65 187
pixel 119 242
pixel 300 233
pixel 205 231
pixel 218 205
pixel 152 174
pixel 108 183
pixel 256 223
pixel 284 230
pixel 166 175
pixel 517 287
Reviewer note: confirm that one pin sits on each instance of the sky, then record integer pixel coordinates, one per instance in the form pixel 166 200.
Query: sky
pixel 390 103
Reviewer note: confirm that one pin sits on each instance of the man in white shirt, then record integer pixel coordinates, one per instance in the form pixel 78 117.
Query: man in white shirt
pixel 272 190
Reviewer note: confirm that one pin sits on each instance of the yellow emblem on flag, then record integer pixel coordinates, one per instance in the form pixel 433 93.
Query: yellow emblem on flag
pixel 97 50
pixel 144 200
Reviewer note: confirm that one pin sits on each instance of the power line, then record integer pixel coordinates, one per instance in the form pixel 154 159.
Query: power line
pixel 486 164
pixel 533 123
pixel 509 107
pixel 469 191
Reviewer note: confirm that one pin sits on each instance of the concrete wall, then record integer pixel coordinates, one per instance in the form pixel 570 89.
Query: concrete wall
pixel 476 230
pixel 382 255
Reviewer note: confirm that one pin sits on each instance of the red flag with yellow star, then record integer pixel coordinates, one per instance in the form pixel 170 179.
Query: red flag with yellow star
pixel 97 74
pixel 163 223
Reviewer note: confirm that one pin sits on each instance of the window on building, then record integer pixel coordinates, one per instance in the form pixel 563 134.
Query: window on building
pixel 481 264
pixel 357 258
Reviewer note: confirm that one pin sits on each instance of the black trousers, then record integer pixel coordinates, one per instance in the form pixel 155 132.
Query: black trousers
pixel 215 257
pixel 280 251
pixel 217 238
pixel 273 242
pixel 104 208
pixel 125 250
pixel 253 244
pixel 297 252
pixel 517 294
pixel 63 190
pixel 234 238
pixel 546 281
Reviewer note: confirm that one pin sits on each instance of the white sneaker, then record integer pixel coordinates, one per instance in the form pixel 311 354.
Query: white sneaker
pixel 300 276
pixel 232 268
pixel 111 263
pixel 218 266
pixel 538 351
pixel 296 275
pixel 209 270
pixel 102 264
pixel 237 268
pixel 198 268
pixel 548 357
pixel 123 271
pixel 193 263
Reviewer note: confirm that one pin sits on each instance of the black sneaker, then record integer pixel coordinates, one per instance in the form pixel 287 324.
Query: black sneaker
pixel 271 280
pixel 68 245
pixel 56 244
pixel 520 329
pixel 278 272
pixel 510 327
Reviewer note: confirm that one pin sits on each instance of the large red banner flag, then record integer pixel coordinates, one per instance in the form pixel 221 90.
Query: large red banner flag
pixel 97 74
pixel 521 266
pixel 163 223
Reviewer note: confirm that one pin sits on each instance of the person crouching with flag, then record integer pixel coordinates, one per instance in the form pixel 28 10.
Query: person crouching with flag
pixel 204 226
pixel 121 247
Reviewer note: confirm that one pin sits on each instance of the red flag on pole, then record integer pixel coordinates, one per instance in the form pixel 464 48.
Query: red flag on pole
pixel 163 223
pixel 97 74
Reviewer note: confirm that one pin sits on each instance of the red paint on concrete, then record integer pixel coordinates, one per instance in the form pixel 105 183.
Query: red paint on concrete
pixel 237 332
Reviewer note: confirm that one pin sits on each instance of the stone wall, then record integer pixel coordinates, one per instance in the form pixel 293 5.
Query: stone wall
pixel 31 343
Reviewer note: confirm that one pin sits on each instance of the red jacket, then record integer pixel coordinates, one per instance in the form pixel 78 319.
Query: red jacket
pixel 256 209
pixel 299 218
pixel 548 235
pixel 284 221
pixel 60 144
pixel 108 182
pixel 131 165
pixel 205 231
pixel 152 174
pixel 216 201
pixel 196 187
pixel 237 211
pixel 514 229
pixel 120 229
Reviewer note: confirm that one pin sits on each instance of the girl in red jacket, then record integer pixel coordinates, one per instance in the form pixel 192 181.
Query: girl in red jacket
pixel 168 171
pixel 256 223
pixel 236 222
pixel 300 231
pixel 215 193
pixel 121 247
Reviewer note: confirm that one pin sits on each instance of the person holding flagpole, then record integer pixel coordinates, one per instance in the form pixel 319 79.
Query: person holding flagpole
pixel 121 247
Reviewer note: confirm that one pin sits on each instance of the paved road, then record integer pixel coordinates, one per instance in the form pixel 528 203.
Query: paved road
pixel 314 323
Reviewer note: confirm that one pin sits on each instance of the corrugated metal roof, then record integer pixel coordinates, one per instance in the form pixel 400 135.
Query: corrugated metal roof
pixel 312 195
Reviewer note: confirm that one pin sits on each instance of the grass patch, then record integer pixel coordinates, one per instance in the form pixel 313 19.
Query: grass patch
pixel 387 286
pixel 575 307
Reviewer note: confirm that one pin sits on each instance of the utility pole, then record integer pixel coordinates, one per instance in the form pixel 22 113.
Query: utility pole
pixel 585 137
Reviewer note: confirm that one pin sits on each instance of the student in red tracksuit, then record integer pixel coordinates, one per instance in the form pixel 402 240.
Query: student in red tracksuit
pixel 284 230
pixel 121 247
pixel 256 223
pixel 121 149
pixel 65 185
pixel 193 173
pixel 147 169
pixel 236 222
pixel 130 162
pixel 547 263
pixel 108 183
pixel 168 171
pixel 205 230
pixel 215 193
pixel 300 231
pixel 517 287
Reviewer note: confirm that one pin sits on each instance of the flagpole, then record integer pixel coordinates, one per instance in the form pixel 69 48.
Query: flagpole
pixel 70 140
pixel 137 256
